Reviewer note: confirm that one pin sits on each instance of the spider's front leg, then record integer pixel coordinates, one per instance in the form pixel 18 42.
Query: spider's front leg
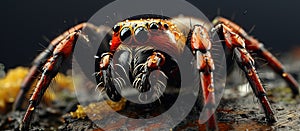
pixel 254 45
pixel 245 61
pixel 200 44
pixel 49 70
pixel 48 63
pixel 31 76
pixel 38 63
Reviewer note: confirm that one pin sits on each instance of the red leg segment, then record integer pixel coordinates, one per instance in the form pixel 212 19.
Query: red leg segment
pixel 31 76
pixel 254 45
pixel 38 63
pixel 50 71
pixel 61 52
pixel 279 69
pixel 246 63
pixel 207 84
pixel 200 45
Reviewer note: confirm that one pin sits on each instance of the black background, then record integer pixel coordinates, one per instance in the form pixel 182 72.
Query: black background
pixel 24 24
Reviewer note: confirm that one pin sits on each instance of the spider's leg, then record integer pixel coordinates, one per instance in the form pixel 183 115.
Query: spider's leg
pixel 245 61
pixel 254 45
pixel 206 66
pixel 61 52
pixel 200 44
pixel 38 63
pixel 50 69
pixel 31 76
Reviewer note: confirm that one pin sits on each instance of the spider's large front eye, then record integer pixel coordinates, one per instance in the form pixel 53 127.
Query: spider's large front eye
pixel 125 33
pixel 141 34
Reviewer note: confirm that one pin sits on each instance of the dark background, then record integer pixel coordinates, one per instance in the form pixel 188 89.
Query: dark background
pixel 26 24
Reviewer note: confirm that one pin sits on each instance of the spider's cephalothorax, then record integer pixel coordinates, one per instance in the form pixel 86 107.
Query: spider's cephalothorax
pixel 152 41
pixel 147 45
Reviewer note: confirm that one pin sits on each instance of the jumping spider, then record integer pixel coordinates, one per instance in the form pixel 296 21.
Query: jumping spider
pixel 165 33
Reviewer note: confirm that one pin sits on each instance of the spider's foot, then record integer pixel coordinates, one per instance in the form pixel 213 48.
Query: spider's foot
pixel 271 118
pixel 24 127
pixel 212 124
pixel 293 84
pixel 295 90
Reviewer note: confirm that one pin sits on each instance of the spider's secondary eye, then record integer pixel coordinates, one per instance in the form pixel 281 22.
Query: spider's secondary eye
pixel 116 28
pixel 147 24
pixel 166 26
pixel 141 34
pixel 125 33
pixel 153 26
pixel 133 26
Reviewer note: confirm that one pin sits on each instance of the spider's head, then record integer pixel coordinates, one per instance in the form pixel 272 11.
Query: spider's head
pixel 145 32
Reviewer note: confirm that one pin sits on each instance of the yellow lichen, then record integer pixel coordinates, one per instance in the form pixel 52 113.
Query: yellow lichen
pixel 11 83
pixel 64 82
pixel 79 113
pixel 10 86
pixel 97 111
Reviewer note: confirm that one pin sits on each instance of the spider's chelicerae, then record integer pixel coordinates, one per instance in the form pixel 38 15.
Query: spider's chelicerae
pixel 148 31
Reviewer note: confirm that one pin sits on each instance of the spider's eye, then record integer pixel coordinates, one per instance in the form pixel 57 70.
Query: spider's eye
pixel 153 26
pixel 147 24
pixel 116 28
pixel 133 26
pixel 141 34
pixel 166 26
pixel 125 33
